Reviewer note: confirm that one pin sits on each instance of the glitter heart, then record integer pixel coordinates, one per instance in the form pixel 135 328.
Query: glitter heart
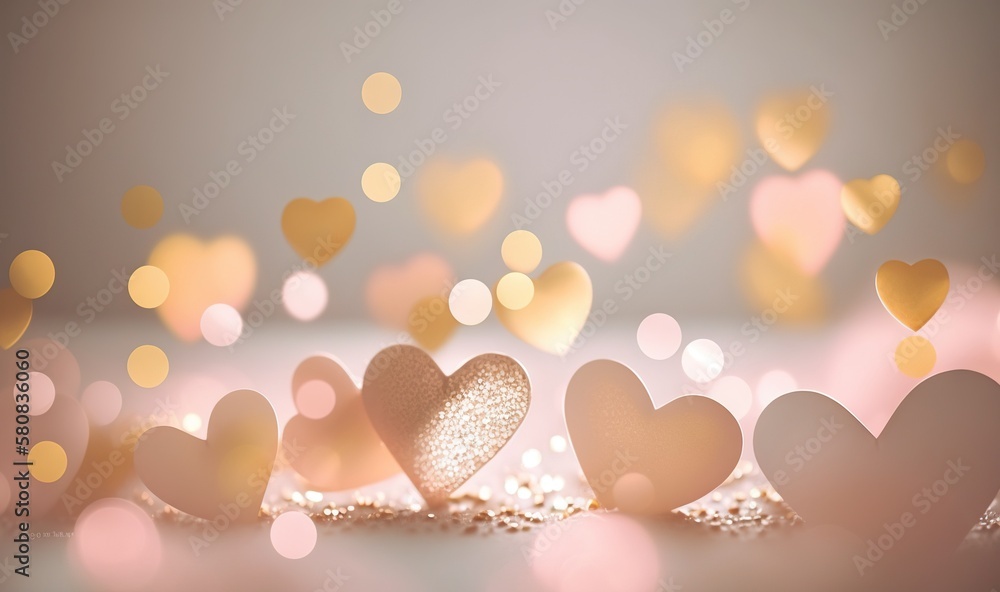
pixel 912 293
pixel 641 459
pixel 870 203
pixel 459 199
pixel 928 476
pixel 557 311
pixel 202 274
pixel 605 224
pixel 340 450
pixel 224 474
pixel 15 316
pixel 443 429
pixel 318 230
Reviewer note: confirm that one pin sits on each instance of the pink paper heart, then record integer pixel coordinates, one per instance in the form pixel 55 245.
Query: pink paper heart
pixel 605 224
pixel 799 218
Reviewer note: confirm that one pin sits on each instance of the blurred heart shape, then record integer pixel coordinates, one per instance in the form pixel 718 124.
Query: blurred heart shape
pixel 641 459
pixel 340 450
pixel 910 494
pixel 393 291
pixel 318 230
pixel 604 225
pixel 791 125
pixel 459 197
pixel 912 293
pixel 799 218
pixel 870 203
pixel 223 475
pixel 553 319
pixel 443 429
pixel 221 271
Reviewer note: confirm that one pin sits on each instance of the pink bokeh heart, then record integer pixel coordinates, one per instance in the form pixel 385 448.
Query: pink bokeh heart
pixel 605 224
pixel 799 218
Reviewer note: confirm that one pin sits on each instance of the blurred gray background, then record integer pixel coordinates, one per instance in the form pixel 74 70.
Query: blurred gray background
pixel 608 59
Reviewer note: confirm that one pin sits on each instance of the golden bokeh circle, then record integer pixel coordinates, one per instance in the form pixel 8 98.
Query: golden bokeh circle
pixel 142 206
pixel 515 290
pixel 521 251
pixel 915 356
pixel 148 366
pixel 965 161
pixel 148 286
pixel 48 461
pixel 380 182
pixel 381 93
pixel 32 274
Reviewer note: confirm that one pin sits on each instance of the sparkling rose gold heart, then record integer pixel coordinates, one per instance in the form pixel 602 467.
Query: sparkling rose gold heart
pixel 443 429
pixel 645 460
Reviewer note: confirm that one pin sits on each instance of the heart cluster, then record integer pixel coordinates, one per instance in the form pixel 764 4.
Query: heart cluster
pixel 930 472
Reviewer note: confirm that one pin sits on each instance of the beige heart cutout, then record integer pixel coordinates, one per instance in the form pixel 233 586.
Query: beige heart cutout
pixel 339 451
pixel 645 460
pixel 318 230
pixel 912 493
pixel 443 429
pixel 202 274
pixel 557 312
pixel 225 474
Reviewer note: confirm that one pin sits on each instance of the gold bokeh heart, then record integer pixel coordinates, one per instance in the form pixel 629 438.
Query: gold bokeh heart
pixel 791 126
pixel 341 450
pixel 912 293
pixel 224 474
pixel 443 429
pixel 202 274
pixel 460 198
pixel 15 316
pixel 870 203
pixel 431 323
pixel 318 230
pixel 557 312
pixel 641 459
